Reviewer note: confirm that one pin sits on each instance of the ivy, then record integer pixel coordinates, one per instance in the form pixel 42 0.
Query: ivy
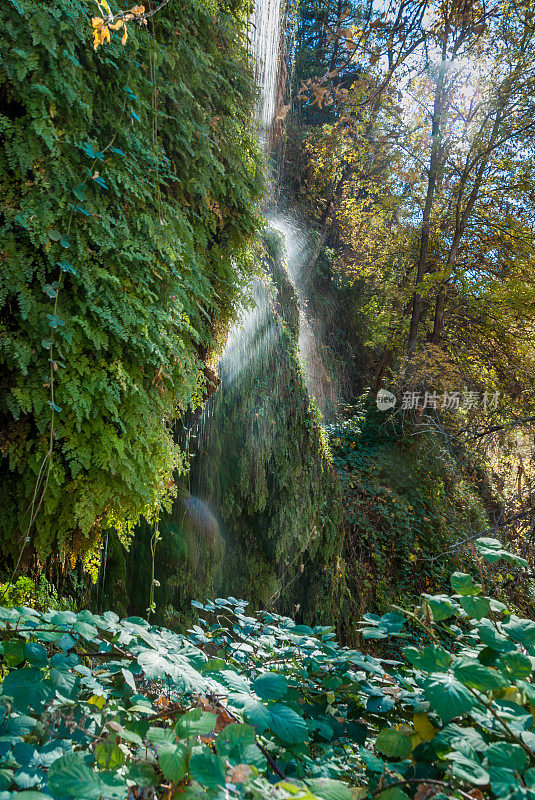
pixel 92 706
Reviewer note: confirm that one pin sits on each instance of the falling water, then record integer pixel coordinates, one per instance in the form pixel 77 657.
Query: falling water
pixel 265 46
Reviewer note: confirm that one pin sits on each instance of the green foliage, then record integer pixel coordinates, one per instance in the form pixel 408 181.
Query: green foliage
pixel 129 179
pixel 38 594
pixel 97 707
pixel 406 500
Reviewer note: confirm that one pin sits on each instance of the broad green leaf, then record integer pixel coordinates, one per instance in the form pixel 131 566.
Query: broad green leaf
pixel 28 689
pixel 448 697
pixel 70 776
pixel 13 652
pixel 520 630
pixel 473 673
pixel 207 768
pixel 195 723
pixel 476 607
pixel 442 607
pixel 468 770
pixel 432 658
pixel 329 789
pixel 464 584
pixel 233 739
pixel 503 781
pixel 514 665
pixel 287 724
pixel 173 761
pixel 393 744
pixel 141 774
pixel 35 654
pixel 270 686
pixel 507 755
pixel 492 638
pixel 108 755
pixel 254 711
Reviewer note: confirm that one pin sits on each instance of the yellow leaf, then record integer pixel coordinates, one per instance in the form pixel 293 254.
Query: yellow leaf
pixel 105 6
pixel 116 25
pixel 96 22
pixel 423 727
pixel 124 37
pixel 98 701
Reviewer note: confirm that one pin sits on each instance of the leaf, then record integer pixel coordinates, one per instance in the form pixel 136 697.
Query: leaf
pixel 448 697
pixel 207 768
pixel 270 686
pixel 329 789
pixel 472 673
pixel 393 744
pixel 514 665
pixel 287 724
pixel 510 756
pixel 195 723
pixel 423 727
pixel 35 654
pixel 432 658
pixel 254 711
pixel 476 607
pixel 28 689
pixel 173 761
pixel 464 584
pixel 468 770
pixel 503 781
pixel 13 651
pixel 54 235
pixel 70 776
pixel 108 755
pixel 442 607
pixel 66 267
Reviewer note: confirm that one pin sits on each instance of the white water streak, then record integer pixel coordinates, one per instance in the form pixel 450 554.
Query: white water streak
pixel 265 44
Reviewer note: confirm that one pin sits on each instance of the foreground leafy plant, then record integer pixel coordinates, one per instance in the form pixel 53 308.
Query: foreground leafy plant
pixel 93 706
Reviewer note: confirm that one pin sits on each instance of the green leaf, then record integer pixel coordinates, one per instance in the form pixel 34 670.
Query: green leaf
pixel 329 789
pixel 69 776
pixel 195 723
pixel 173 761
pixel 510 756
pixel 35 654
pixel 207 768
pixel 393 744
pixel 476 607
pixel 503 781
pixel 442 607
pixel 254 711
pixel 13 652
pixel 473 673
pixel 141 774
pixel 432 658
pixel 270 686
pixel 514 665
pixel 233 739
pixel 520 630
pixel 54 235
pixel 448 697
pixel 287 724
pixel 28 689
pixel 395 793
pixel 468 770
pixel 493 639
pixel 108 755
pixel 464 584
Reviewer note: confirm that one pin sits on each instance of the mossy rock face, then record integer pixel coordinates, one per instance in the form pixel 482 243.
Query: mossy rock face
pixel 263 464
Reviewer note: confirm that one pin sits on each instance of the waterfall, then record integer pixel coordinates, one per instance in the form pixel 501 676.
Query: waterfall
pixel 265 47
